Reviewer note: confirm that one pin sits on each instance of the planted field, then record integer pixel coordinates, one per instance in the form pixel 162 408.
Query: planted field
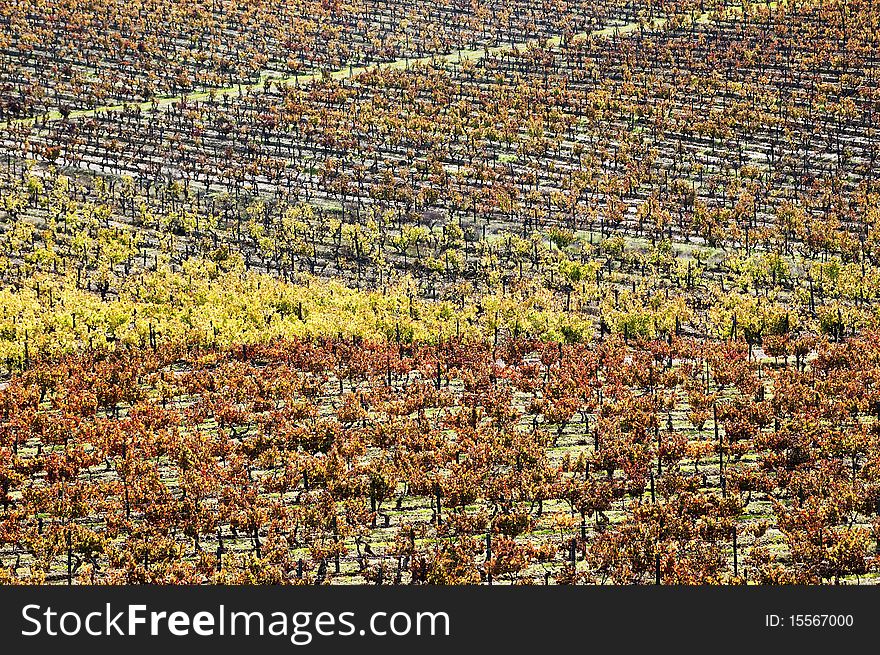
pixel 399 292
pixel 348 461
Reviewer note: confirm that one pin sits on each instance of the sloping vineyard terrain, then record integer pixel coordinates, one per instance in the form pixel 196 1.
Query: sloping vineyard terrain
pixel 439 293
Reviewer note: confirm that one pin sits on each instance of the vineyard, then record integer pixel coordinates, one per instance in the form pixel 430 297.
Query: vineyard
pixel 380 292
